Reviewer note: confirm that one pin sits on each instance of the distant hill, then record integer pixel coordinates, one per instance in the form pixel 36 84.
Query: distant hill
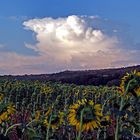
pixel 88 77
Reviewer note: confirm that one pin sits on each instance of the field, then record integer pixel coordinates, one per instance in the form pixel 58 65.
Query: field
pixel 35 110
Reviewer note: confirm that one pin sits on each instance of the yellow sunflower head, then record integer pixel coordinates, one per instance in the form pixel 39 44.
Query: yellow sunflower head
pixel 11 109
pixel 4 117
pixel 37 115
pixel 6 112
pixel 1 97
pixel 130 83
pixel 91 116
pixel 56 119
pixel 137 91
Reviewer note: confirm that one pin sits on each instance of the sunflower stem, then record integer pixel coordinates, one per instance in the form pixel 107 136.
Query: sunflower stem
pixel 128 85
pixel 105 133
pixel 81 123
pixel 98 134
pixel 117 128
pixel 18 124
pixel 118 119
pixel 50 120
pixel 48 128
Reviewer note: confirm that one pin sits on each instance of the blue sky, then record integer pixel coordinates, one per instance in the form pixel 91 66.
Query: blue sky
pixel 121 16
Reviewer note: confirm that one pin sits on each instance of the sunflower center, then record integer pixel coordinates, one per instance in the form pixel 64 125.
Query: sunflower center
pixel 88 114
pixel 54 119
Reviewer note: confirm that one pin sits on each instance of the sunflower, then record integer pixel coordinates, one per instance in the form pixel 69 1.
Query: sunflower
pixel 6 112
pixel 130 83
pixel 56 119
pixel 4 117
pixel 37 115
pixel 1 97
pixel 91 115
pixel 137 91
pixel 10 109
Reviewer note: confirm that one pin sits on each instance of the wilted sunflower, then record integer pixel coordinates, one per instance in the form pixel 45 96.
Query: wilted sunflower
pixel 130 83
pixel 56 119
pixel 91 115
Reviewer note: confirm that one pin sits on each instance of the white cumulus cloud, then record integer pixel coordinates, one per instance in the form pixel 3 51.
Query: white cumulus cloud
pixel 75 42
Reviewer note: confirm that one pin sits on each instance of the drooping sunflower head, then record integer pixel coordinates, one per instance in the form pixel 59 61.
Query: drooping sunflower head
pixel 55 119
pixel 131 83
pixel 91 115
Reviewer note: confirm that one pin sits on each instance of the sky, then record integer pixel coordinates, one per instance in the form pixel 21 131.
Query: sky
pixel 47 36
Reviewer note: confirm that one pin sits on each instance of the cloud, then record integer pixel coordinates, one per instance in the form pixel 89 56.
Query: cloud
pixel 66 40
pixel 77 42
pixel 73 42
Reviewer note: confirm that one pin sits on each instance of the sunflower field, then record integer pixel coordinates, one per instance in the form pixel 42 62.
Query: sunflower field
pixel 33 110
